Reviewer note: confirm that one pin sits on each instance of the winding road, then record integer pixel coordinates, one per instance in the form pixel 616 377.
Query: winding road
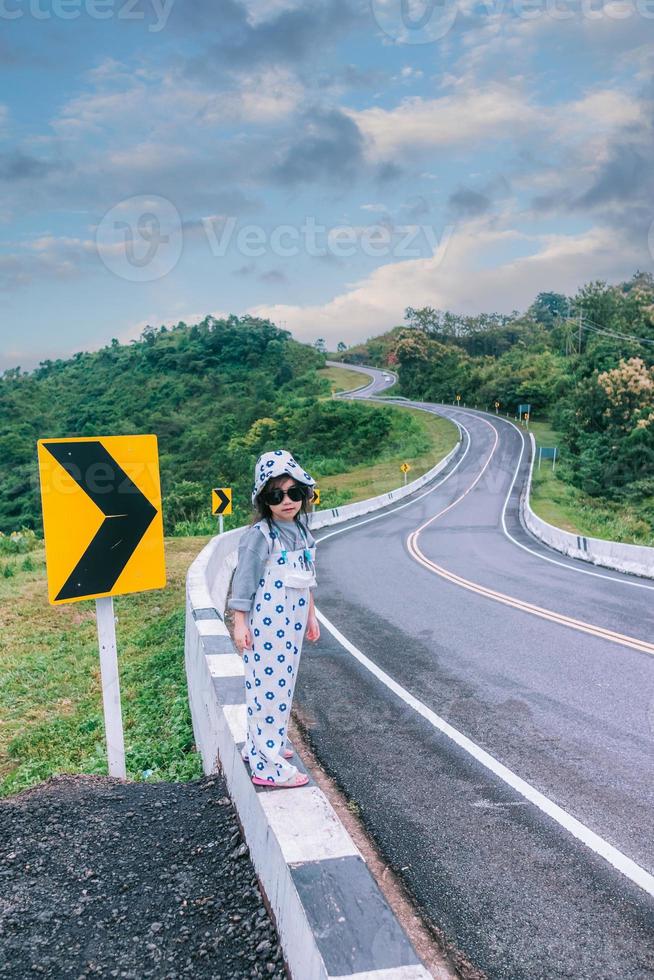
pixel 489 705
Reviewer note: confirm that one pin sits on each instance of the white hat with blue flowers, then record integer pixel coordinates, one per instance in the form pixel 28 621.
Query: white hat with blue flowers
pixel 278 463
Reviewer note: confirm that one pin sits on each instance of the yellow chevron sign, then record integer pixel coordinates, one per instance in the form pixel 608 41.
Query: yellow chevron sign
pixel 221 500
pixel 405 467
pixel 316 497
pixel 102 518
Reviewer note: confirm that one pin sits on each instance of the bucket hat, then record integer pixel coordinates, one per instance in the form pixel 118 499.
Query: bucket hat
pixel 279 462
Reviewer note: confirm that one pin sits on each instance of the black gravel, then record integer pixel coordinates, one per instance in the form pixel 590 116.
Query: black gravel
pixel 105 878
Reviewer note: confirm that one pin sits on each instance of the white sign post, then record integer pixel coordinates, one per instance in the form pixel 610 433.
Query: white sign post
pixel 113 719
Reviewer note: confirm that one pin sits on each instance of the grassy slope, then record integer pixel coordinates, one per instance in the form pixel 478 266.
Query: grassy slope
pixel 50 700
pixel 368 481
pixel 567 507
pixel 342 379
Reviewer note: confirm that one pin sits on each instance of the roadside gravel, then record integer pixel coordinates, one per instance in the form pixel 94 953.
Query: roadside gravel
pixel 101 877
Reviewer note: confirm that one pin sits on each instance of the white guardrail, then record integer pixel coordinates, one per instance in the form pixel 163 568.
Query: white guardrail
pixel 632 558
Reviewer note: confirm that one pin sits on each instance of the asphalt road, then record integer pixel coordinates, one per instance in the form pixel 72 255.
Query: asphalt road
pixel 453 615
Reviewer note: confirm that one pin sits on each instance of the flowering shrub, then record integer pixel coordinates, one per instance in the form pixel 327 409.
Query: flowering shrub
pixel 629 391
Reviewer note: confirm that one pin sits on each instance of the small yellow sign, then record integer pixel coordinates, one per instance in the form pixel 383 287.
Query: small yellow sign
pixel 405 467
pixel 102 516
pixel 316 497
pixel 458 398
pixel 221 500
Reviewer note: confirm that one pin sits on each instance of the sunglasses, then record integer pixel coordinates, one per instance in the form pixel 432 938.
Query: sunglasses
pixel 276 496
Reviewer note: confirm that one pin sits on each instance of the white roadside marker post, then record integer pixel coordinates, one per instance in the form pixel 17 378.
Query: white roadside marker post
pixel 113 719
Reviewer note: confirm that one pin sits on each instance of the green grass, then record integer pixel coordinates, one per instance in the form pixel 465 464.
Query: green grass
pixel 565 506
pixel 420 439
pixel 342 379
pixel 50 697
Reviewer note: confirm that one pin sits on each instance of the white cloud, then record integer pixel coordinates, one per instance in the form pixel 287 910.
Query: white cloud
pixel 499 40
pixel 469 117
pixel 266 96
pixel 259 11
pixel 45 256
pixel 460 119
pixel 465 278
pixel 407 74
pixel 166 105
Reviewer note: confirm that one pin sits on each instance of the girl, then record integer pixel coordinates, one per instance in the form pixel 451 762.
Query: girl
pixel 273 608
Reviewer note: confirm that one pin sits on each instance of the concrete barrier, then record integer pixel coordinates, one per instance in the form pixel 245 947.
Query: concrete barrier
pixel 332 919
pixel 632 558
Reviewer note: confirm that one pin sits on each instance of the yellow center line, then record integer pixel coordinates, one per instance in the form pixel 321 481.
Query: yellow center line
pixel 578 624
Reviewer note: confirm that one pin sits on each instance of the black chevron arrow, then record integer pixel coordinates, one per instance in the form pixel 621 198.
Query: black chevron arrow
pixel 224 501
pixel 128 515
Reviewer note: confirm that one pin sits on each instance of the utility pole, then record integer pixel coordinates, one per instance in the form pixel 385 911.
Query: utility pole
pixel 581 315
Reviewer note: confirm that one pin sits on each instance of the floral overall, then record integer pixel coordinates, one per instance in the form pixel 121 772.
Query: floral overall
pixel 277 623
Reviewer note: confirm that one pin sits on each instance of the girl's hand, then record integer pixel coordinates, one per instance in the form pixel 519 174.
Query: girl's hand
pixel 313 628
pixel 242 636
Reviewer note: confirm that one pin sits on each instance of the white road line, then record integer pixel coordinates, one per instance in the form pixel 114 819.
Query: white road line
pixel 413 500
pixel 639 876
pixel 537 554
pixel 562 564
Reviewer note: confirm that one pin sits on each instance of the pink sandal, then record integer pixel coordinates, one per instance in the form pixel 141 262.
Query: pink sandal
pixel 299 779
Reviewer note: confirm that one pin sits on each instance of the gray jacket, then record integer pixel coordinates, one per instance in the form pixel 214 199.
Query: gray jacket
pixel 253 552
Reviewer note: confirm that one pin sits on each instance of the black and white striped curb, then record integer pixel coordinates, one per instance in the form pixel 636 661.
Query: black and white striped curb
pixel 332 919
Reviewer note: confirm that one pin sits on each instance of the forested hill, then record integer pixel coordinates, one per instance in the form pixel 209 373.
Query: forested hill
pixel 585 363
pixel 216 394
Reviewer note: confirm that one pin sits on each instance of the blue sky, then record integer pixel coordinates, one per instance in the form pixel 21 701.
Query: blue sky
pixel 326 164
